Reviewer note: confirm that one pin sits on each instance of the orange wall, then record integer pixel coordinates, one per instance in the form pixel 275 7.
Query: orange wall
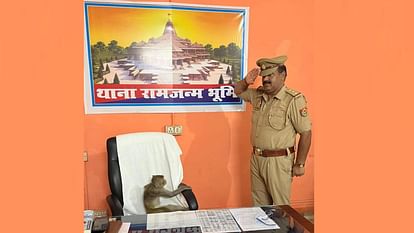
pixel 364 106
pixel 362 97
pixel 216 147
pixel 42 119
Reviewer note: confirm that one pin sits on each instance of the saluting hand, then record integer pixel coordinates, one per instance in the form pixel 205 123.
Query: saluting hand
pixel 252 75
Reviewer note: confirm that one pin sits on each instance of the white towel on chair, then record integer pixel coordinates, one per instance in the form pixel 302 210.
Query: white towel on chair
pixel 142 155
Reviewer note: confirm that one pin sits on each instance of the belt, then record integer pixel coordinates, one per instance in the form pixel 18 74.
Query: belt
pixel 272 153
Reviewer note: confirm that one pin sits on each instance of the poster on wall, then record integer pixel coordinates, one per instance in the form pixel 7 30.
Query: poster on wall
pixel 143 57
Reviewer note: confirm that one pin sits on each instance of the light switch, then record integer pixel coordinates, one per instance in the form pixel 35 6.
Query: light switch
pixel 85 156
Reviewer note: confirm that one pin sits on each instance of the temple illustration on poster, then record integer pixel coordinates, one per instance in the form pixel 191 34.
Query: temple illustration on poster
pixel 163 57
pixel 167 59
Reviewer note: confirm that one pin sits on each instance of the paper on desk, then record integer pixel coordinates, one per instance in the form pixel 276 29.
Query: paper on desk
pixel 124 227
pixel 177 219
pixel 247 219
pixel 219 220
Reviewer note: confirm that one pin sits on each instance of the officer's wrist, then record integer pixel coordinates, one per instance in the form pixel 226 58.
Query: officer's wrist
pixel 245 81
pixel 301 165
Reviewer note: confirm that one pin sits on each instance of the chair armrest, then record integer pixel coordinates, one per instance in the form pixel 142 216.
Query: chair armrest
pixel 115 205
pixel 191 199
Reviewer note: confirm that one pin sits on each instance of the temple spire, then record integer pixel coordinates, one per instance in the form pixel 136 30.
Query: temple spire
pixel 169 27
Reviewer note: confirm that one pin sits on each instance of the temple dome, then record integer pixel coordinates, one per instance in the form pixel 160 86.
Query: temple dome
pixel 169 28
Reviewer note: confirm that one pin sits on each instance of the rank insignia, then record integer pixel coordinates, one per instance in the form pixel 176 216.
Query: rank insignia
pixel 304 112
pixel 263 67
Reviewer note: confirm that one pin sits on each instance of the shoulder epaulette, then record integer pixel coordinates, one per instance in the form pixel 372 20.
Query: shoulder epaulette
pixel 293 92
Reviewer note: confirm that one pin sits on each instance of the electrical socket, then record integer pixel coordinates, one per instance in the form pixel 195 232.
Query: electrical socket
pixel 175 130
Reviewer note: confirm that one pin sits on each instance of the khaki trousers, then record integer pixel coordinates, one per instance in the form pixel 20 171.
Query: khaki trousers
pixel 271 179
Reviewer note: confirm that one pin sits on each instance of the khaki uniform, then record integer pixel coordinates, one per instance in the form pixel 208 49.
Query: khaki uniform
pixel 275 122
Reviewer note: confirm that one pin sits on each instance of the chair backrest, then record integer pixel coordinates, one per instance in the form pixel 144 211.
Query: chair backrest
pixel 134 158
pixel 114 173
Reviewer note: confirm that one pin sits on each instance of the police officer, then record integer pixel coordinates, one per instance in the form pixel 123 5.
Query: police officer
pixel 279 114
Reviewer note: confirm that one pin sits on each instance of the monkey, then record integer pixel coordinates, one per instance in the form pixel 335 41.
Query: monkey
pixel 154 190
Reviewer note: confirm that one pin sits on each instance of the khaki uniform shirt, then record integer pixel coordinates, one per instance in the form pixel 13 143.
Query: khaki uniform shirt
pixel 276 120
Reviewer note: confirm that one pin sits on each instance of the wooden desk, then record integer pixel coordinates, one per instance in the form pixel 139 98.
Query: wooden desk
pixel 300 220
pixel 288 219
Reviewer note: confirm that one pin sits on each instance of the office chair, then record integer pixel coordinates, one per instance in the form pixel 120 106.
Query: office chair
pixel 116 198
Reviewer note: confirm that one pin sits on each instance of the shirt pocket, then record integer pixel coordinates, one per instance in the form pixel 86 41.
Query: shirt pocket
pixel 277 119
pixel 257 105
pixel 255 116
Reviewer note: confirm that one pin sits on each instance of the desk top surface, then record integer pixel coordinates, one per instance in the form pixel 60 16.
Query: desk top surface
pixel 288 219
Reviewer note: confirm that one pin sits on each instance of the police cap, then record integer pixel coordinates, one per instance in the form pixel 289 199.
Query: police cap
pixel 269 65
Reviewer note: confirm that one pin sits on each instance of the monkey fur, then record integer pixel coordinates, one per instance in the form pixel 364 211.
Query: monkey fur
pixel 154 190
